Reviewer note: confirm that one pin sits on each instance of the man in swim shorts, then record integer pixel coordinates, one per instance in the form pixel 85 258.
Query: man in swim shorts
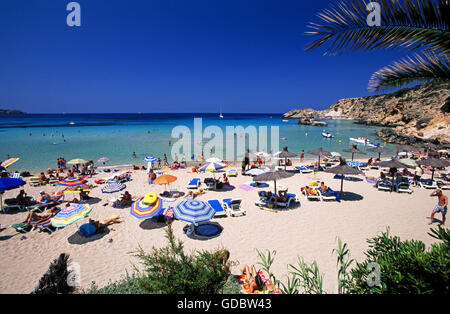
pixel 441 207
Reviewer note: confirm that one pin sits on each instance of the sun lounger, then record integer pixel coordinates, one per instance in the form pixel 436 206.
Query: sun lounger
pixel 194 184
pixel 363 167
pixel 385 185
pixel 232 173
pixel 15 175
pixel 218 208
pixel 443 185
pixel 265 198
pixel 311 197
pixel 233 207
pixel 210 184
pixel 22 227
pixel 403 187
pixel 428 184
pixel 34 181
pixel 53 180
pixel 291 198
pixel 329 195
pixel 303 169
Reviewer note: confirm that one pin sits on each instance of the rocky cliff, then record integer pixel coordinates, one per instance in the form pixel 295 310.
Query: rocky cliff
pixel 420 113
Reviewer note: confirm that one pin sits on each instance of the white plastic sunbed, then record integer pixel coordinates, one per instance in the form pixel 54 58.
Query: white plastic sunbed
pixel 327 196
pixel 312 197
pixel 232 173
pixel 290 199
pixel 194 184
pixel 218 208
pixel 233 207
pixel 303 169
pixel 403 187
pixel 427 185
pixel 384 186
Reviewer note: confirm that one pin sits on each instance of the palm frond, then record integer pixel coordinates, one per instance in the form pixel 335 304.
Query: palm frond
pixel 411 24
pixel 419 68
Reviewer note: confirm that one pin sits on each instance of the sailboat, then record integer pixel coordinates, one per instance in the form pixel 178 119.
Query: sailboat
pixel 221 115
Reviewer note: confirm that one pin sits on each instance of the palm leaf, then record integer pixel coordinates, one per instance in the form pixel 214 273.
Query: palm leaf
pixel 421 68
pixel 411 24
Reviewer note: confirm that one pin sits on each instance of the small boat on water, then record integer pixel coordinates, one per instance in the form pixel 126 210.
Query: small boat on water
pixel 285 120
pixel 327 134
pixel 72 123
pixel 362 140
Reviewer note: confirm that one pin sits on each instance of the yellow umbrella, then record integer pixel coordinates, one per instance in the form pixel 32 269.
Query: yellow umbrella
pixel 9 162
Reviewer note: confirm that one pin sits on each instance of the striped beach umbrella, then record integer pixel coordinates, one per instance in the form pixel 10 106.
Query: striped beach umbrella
pixel 70 215
pixel 142 210
pixel 150 159
pixel 113 187
pixel 75 181
pixel 9 162
pixel 212 167
pixel 193 211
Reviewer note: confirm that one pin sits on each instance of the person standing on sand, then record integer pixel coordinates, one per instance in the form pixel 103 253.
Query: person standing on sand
pixel 302 155
pixel 441 207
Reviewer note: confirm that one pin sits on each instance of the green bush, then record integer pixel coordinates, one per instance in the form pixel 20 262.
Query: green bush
pixel 127 285
pixel 405 266
pixel 170 270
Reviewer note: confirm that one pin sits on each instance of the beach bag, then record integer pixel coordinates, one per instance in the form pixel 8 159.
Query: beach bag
pixel 87 230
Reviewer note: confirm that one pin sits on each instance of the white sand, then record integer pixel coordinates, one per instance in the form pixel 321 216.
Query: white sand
pixel 310 230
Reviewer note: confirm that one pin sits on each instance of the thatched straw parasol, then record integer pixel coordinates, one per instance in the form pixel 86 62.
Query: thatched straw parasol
pixel 354 150
pixel 273 176
pixel 343 169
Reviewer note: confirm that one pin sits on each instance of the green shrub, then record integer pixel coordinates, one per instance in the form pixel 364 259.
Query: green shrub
pixel 170 270
pixel 127 285
pixel 405 266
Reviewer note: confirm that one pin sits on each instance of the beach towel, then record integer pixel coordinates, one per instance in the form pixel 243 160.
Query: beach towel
pixel 245 187
pixel 334 193
pixel 269 287
pixel 259 185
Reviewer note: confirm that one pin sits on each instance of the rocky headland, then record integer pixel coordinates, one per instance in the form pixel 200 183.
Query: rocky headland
pixel 409 115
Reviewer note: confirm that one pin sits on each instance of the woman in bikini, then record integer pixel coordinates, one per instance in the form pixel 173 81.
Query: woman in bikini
pixel 255 281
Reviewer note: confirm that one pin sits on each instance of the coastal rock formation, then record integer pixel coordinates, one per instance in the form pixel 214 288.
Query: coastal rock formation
pixel 305 116
pixel 420 113
pixel 10 111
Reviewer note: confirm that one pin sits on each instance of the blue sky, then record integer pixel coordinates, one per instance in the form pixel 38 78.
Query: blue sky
pixel 172 56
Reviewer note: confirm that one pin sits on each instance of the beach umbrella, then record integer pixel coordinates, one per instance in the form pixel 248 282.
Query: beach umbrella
pixel 286 154
pixel 273 176
pixel 433 163
pixel 164 179
pixel 142 210
pixel 7 183
pixel 193 211
pixel 9 162
pixel 103 160
pixel 77 161
pixel 149 159
pixel 255 171
pixel 212 167
pixel 379 150
pixel 74 181
pixel 354 150
pixel 113 187
pixel 214 160
pixel 343 169
pixel 70 214
pixel 319 152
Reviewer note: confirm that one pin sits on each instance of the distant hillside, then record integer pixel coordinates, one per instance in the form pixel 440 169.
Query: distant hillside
pixel 420 113
pixel 11 111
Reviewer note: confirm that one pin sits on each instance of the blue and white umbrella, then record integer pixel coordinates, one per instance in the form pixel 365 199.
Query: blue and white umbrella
pixel 113 187
pixel 150 159
pixel 353 163
pixel 193 211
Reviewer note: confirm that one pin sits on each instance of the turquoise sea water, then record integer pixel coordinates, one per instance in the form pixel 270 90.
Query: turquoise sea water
pixel 37 139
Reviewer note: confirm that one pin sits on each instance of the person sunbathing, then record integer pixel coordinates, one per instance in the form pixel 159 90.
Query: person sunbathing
pixel 126 199
pixel 45 198
pixel 84 195
pixel 192 195
pixel 255 281
pixel 43 179
pixel 323 187
pixel 107 222
pixel 282 197
pixel 309 190
pixel 36 218
pixel 225 180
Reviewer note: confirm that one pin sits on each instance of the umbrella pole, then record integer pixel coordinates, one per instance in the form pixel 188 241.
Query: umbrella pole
pixel 353 154
pixel 342 184
pixel 275 185
pixel 318 164
pixel 1 202
pixel 379 156
pixel 432 174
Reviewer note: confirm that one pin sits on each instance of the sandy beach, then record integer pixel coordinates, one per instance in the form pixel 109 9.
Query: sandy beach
pixel 309 230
